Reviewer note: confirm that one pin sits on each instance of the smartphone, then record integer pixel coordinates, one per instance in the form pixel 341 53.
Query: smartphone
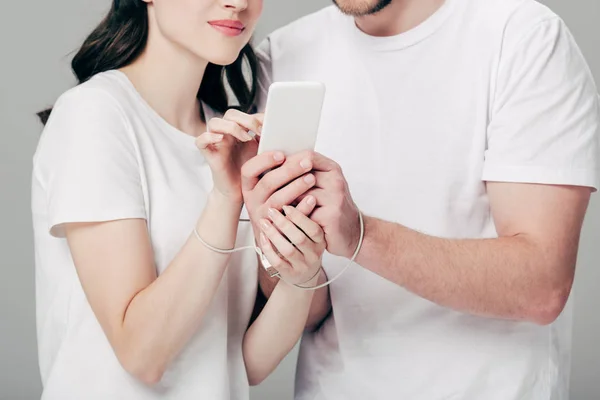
pixel 292 117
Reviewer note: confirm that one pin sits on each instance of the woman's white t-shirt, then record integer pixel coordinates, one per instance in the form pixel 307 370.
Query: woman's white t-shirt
pixel 106 155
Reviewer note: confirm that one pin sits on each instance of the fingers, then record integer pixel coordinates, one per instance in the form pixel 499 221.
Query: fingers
pixel 291 231
pixel 323 216
pixel 306 205
pixel 294 167
pixel 291 192
pixel 331 181
pixel 218 125
pixel 309 228
pixel 256 166
pixel 207 139
pixel 279 242
pixel 325 196
pixel 260 117
pixel 249 122
pixel 271 255
pixel 322 198
pixel 322 163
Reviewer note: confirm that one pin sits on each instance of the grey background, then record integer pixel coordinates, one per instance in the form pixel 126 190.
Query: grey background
pixel 37 38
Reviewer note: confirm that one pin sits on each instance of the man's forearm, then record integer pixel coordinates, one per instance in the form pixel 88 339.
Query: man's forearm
pixel 510 277
pixel 321 303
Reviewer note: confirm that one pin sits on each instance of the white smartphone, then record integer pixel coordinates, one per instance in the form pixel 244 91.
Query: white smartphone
pixel 292 117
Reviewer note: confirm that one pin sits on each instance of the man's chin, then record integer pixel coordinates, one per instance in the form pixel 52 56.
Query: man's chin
pixel 360 8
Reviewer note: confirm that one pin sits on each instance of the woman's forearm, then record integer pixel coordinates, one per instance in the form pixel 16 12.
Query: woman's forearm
pixel 161 319
pixel 321 304
pixel 276 330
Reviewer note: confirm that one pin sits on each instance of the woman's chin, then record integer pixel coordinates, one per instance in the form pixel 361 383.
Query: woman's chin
pixel 224 59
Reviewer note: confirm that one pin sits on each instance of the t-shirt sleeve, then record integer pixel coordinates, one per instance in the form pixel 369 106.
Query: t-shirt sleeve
pixel 88 161
pixel 544 125
pixel 263 53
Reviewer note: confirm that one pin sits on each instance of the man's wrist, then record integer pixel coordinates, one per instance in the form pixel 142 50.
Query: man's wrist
pixel 356 239
pixel 370 228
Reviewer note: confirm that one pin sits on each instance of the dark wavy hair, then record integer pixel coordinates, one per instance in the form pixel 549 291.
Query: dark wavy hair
pixel 121 37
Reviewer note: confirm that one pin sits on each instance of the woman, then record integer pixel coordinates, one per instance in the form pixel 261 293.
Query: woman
pixel 136 182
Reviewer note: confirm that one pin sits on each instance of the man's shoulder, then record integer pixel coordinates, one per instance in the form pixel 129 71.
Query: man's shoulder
pixel 506 9
pixel 511 17
pixel 507 17
pixel 307 31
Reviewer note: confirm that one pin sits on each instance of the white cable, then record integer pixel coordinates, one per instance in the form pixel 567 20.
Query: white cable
pixel 273 272
pixel 222 251
pixel 266 265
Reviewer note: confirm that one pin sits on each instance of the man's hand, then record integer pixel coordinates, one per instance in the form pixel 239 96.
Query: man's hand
pixel 336 212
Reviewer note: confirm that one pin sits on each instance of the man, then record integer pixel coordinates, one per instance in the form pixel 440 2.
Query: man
pixel 467 133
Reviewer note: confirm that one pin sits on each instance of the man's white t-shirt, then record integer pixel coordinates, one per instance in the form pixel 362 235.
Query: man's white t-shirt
pixel 493 90
pixel 106 155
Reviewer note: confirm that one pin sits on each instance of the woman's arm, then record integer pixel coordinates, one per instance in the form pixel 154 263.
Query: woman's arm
pixel 276 330
pixel 148 319
pixel 280 324
pixel 91 173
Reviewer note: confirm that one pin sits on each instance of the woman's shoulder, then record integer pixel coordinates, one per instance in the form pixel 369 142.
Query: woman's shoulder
pixel 103 95
pixel 99 106
pixel 90 117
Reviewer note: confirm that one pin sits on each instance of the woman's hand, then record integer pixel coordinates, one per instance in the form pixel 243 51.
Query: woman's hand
pixel 293 244
pixel 227 145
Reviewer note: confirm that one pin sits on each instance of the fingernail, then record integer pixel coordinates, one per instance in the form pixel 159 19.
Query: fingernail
pixel 310 179
pixel 218 137
pixel 287 210
pixel 278 156
pixel 310 201
pixel 264 224
pixel 306 164
pixel 272 213
pixel 247 136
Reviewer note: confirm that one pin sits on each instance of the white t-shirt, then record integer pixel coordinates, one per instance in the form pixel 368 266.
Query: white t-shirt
pixel 493 90
pixel 106 155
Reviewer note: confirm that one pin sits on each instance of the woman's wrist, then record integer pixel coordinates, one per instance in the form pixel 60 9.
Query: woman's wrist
pixel 295 292
pixel 300 287
pixel 218 223
pixel 234 203
pixel 312 280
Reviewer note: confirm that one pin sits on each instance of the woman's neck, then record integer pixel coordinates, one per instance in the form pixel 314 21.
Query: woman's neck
pixel 398 17
pixel 168 78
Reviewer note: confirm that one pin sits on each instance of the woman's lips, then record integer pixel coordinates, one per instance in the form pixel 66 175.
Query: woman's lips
pixel 228 27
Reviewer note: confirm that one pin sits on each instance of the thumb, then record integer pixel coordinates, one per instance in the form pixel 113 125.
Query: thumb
pixel 260 117
pixel 207 139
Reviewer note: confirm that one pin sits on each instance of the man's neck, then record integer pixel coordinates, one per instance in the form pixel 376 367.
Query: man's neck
pixel 399 17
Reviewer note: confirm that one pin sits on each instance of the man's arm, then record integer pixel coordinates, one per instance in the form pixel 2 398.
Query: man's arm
pixel 524 274
pixel 543 128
